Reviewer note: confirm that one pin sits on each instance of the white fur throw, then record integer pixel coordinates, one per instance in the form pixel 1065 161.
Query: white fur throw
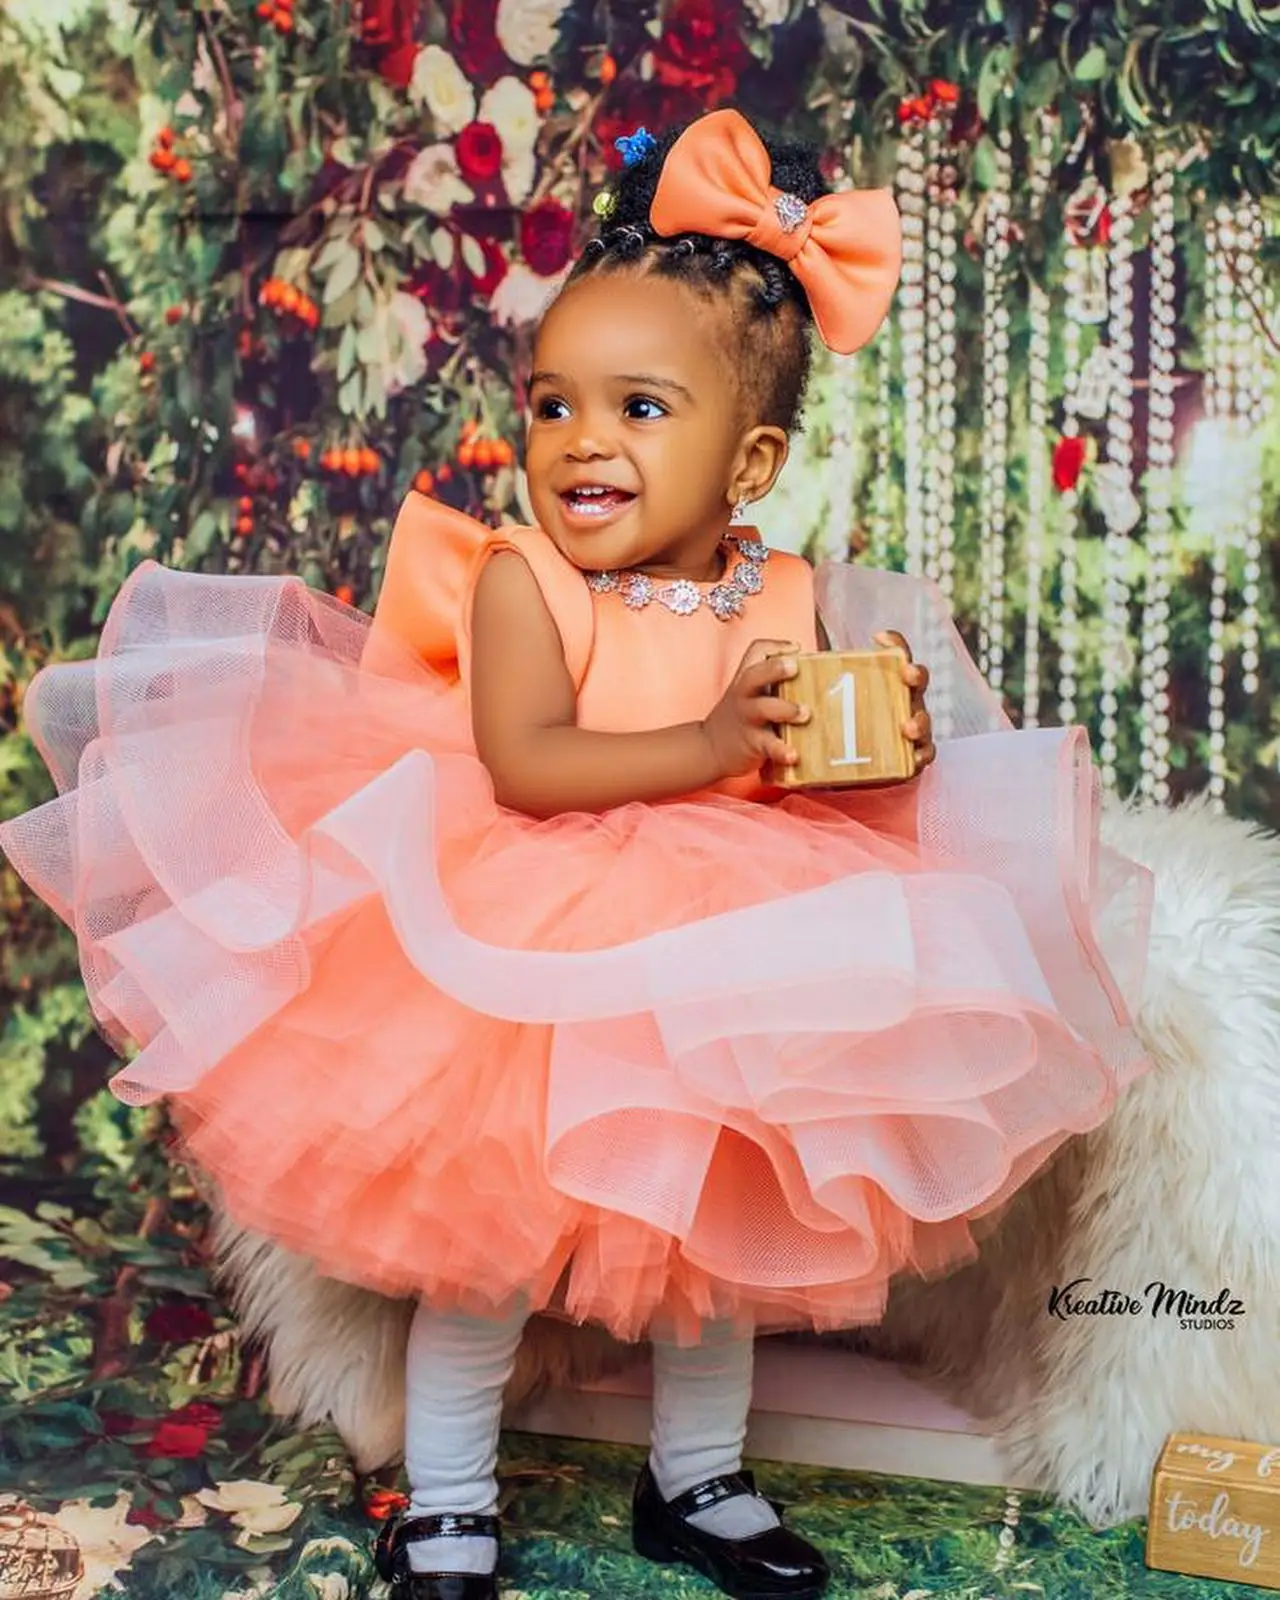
pixel 1181 1187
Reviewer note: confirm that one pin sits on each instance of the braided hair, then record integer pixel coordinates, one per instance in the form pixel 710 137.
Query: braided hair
pixel 768 304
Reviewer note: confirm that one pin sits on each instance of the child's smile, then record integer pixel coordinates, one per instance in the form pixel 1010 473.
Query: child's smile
pixel 595 502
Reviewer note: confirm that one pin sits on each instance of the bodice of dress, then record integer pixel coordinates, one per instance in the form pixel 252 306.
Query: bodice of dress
pixel 634 668
pixel 651 667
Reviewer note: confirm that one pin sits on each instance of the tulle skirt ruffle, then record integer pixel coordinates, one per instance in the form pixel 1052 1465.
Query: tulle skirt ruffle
pixel 707 1058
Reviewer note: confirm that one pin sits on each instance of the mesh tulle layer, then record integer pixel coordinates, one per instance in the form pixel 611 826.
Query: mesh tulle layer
pixel 708 1058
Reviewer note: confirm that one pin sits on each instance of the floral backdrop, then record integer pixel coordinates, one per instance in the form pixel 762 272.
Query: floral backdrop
pixel 268 265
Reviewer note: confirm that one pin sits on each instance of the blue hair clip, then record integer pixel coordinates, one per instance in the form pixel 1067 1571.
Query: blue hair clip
pixel 635 146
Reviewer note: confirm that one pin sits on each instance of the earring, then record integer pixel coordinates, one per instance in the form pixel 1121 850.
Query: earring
pixel 740 510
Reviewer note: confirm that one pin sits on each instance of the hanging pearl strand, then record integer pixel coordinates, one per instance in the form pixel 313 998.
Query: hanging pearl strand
pixel 1115 605
pixel 940 352
pixel 882 488
pixel 1037 436
pixel 1069 615
pixel 1251 367
pixel 932 315
pixel 842 465
pixel 910 185
pixel 995 413
pixel 1220 406
pixel 1153 779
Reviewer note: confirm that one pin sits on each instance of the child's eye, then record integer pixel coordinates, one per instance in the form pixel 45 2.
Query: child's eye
pixel 640 408
pixel 551 410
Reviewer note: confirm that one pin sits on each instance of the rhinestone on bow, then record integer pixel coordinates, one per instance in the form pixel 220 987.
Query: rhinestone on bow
pixel 791 211
pixel 682 597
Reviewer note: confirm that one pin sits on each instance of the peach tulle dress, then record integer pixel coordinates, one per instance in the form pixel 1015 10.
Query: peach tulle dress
pixel 737 1055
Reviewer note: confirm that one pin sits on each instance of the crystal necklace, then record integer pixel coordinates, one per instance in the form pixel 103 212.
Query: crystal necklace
pixel 683 596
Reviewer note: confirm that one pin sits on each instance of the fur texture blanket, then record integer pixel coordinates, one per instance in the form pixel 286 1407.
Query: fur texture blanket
pixel 1181 1188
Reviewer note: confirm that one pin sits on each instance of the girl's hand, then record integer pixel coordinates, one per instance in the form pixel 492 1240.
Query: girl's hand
pixel 740 731
pixel 919 726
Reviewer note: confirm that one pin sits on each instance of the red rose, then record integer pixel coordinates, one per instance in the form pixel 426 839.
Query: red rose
pixel 477 51
pixel 389 29
pixel 179 1322
pixel 1103 234
pixel 144 1517
pixel 479 151
pixel 184 1433
pixel 1068 461
pixel 701 48
pixel 546 237
pixel 943 93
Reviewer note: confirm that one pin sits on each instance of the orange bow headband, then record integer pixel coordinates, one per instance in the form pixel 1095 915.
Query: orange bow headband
pixel 846 249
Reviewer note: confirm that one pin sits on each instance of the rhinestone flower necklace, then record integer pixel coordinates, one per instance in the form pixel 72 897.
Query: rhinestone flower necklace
pixel 683 596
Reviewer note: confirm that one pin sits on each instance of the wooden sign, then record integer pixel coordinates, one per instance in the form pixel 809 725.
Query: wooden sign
pixel 854 736
pixel 1215 1510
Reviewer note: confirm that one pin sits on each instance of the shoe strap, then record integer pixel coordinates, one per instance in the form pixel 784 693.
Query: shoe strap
pixel 448 1525
pixel 712 1492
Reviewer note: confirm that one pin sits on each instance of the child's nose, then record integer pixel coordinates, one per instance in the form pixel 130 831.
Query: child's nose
pixel 589 444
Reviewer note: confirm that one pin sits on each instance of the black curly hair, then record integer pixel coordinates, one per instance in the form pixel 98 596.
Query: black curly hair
pixel 768 304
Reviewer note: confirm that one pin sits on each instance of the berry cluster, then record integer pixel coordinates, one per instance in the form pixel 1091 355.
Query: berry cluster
pixel 353 462
pixel 279 13
pixel 544 95
pixel 480 454
pixel 289 301
pixel 165 159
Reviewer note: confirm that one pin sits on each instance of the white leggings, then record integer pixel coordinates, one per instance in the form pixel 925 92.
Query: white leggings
pixel 458 1368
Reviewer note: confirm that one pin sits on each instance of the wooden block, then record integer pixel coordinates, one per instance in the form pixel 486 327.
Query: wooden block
pixel 859 703
pixel 1215 1510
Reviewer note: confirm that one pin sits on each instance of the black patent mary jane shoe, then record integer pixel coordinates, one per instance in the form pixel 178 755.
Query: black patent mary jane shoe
pixel 391 1557
pixel 775 1565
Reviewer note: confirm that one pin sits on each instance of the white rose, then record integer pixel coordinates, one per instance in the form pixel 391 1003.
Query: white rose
pixel 434 182
pixel 440 83
pixel 254 1507
pixel 107 1541
pixel 411 326
pixel 519 170
pixel 528 29
pixel 512 108
pixel 523 296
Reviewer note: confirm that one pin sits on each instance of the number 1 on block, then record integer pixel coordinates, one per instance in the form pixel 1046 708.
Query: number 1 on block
pixel 844 687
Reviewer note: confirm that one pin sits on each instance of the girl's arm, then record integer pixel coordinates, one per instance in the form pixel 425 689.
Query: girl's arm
pixel 523 710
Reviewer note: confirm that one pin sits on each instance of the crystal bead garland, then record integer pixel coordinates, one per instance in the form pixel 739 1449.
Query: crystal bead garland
pixel 932 311
pixel 942 238
pixel 910 186
pixel 1219 406
pixel 1069 573
pixel 995 420
pixel 1153 780
pixel 1037 436
pixel 939 353
pixel 842 462
pixel 1120 508
pixel 1252 369
pixel 882 487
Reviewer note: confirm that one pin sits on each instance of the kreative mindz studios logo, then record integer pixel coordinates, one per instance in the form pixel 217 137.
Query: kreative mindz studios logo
pixel 1079 1299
